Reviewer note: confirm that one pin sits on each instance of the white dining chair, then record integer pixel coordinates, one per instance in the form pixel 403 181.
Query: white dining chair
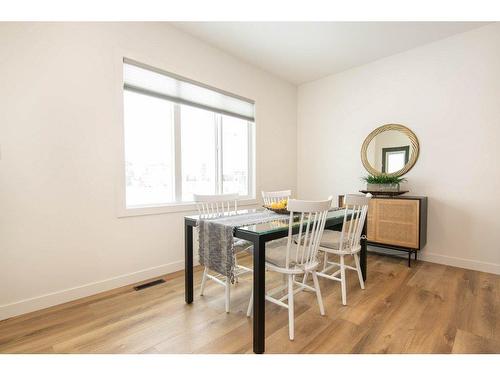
pixel 275 196
pixel 345 243
pixel 212 206
pixel 298 257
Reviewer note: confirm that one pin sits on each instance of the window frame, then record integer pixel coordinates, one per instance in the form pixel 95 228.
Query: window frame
pixel 121 208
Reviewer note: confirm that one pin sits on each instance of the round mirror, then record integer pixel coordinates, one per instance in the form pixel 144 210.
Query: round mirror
pixel 390 149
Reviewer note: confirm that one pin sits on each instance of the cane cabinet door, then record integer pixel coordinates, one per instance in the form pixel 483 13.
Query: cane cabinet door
pixel 394 222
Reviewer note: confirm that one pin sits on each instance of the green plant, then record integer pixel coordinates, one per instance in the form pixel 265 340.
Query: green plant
pixel 383 179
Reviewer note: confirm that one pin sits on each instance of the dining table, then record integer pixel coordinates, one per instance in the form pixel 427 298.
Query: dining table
pixel 259 235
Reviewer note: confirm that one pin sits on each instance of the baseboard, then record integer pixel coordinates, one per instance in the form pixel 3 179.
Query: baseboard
pixel 67 295
pixel 445 259
pixel 461 262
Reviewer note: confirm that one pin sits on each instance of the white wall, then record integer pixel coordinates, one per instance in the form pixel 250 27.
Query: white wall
pixel 448 93
pixel 60 237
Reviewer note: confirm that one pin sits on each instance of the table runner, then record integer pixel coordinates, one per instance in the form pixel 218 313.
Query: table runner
pixel 216 238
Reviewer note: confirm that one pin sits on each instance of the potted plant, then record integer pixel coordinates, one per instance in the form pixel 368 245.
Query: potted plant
pixel 383 182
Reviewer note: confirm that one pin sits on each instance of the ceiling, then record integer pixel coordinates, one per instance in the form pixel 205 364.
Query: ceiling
pixel 304 51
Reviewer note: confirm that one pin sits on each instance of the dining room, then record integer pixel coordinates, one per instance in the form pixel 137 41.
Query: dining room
pixel 249 187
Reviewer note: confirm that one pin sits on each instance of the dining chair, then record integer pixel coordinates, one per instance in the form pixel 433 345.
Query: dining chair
pixel 275 196
pixel 298 257
pixel 212 206
pixel 345 243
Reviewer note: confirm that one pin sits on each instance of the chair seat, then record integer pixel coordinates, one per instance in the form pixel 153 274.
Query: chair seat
pixel 240 245
pixel 276 257
pixel 331 240
pixel 275 252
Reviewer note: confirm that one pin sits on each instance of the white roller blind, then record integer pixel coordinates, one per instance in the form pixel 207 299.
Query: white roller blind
pixel 144 79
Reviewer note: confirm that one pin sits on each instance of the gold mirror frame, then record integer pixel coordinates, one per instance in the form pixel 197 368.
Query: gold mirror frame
pixel 414 147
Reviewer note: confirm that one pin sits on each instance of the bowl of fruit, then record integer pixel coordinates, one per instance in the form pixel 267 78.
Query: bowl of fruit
pixel 279 207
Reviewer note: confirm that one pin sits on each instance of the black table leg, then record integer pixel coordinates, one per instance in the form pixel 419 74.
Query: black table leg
pixel 188 267
pixel 363 252
pixel 259 296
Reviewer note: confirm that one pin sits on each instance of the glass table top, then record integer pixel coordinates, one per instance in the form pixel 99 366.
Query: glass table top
pixel 281 222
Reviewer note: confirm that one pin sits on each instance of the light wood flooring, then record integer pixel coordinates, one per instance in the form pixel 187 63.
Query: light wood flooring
pixel 428 308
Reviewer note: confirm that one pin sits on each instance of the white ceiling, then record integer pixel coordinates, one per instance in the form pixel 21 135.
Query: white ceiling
pixel 304 51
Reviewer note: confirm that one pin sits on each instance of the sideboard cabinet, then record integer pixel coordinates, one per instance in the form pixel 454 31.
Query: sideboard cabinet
pixel 398 223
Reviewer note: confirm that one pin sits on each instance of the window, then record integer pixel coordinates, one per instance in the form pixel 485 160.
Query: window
pixel 149 150
pixel 394 158
pixel 183 138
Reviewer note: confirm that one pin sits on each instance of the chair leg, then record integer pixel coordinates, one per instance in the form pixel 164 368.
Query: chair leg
pixel 236 266
pixel 228 291
pixel 203 280
pixel 250 303
pixel 325 261
pixel 291 332
pixel 358 268
pixel 318 293
pixel 343 280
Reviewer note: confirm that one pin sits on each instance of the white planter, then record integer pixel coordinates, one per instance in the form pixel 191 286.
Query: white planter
pixel 382 187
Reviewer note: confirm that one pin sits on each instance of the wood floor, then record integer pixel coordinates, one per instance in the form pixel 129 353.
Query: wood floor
pixel 428 308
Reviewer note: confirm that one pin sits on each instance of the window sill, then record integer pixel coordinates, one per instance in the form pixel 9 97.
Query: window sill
pixel 171 208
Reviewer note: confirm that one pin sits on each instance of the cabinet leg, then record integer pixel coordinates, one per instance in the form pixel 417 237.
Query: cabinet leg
pixel 409 259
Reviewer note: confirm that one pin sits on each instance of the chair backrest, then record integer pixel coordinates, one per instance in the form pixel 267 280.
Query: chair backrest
pixel 357 207
pixel 275 196
pixel 303 249
pixel 216 205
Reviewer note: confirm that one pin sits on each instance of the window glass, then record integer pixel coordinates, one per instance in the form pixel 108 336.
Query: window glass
pixel 199 156
pixel 395 161
pixel 149 150
pixel 234 156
